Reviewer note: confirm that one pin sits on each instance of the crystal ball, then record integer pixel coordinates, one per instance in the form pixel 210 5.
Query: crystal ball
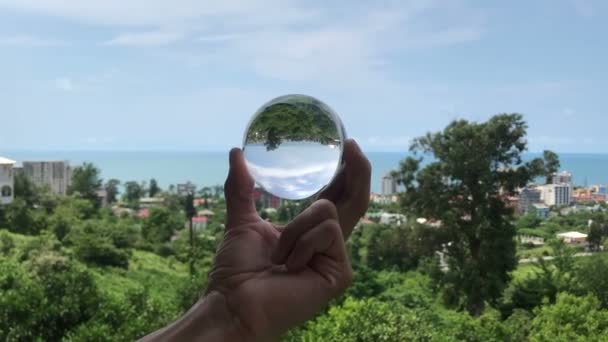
pixel 293 146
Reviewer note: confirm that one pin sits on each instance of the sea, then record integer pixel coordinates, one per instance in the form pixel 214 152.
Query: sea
pixel 208 168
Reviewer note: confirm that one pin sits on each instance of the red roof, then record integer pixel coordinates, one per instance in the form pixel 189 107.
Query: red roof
pixel 143 213
pixel 199 219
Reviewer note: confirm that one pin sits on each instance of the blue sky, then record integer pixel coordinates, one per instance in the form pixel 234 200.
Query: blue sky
pixel 187 74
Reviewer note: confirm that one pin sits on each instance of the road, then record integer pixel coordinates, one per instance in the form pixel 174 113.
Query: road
pixel 547 258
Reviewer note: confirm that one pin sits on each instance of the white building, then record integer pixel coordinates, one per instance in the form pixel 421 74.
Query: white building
pixel 556 194
pixel 6 181
pixel 563 177
pixel 57 175
pixel 389 185
pixel 389 218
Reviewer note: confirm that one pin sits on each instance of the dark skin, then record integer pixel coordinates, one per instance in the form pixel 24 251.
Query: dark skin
pixel 267 278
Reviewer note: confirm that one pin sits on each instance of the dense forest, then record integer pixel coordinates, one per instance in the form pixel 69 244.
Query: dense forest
pixel 72 270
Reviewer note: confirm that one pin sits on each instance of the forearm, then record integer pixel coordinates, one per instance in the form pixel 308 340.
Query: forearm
pixel 208 320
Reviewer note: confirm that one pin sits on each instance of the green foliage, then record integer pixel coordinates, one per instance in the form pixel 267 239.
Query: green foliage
pixel 153 189
pixel 99 251
pixel 20 218
pixel 20 303
pixel 591 278
pixel 529 220
pixel 160 225
pixel 25 189
pixel 86 181
pixel 124 318
pixel 298 119
pixel 191 290
pixel 571 318
pixel 551 165
pixel 7 243
pixel 54 296
pixel 474 165
pixel 598 231
pixel 391 247
pixel 518 325
pixel 111 188
pixel 375 320
pixel 133 192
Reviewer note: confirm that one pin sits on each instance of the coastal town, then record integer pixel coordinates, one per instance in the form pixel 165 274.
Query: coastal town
pixel 560 197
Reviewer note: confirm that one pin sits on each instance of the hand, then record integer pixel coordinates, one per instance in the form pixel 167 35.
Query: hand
pixel 274 278
pixel 267 279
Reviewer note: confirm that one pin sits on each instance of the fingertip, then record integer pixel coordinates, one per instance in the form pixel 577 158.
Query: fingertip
pixel 235 155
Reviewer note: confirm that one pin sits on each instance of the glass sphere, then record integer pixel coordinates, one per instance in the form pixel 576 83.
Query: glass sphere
pixel 293 146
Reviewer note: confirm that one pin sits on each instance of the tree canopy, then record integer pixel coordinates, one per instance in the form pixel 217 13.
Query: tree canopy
pixel 472 167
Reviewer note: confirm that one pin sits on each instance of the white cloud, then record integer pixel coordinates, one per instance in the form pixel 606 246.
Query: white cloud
pixel 29 41
pixel 335 44
pixel 155 38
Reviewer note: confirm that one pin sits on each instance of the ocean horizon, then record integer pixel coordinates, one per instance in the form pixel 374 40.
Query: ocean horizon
pixel 208 168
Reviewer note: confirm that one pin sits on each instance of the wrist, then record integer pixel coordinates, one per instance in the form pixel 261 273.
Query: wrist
pixel 210 319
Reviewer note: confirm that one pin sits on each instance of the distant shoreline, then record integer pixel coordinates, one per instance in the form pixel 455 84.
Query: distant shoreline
pixel 208 168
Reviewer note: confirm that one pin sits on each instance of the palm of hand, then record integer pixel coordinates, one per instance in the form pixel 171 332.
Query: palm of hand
pixel 263 295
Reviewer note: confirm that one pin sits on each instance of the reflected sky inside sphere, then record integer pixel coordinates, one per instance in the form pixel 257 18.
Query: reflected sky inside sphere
pixel 293 146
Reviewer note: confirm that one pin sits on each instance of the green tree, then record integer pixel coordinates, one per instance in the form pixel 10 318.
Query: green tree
pixel 597 233
pixel 161 225
pixel 571 318
pixel 21 298
pixel 154 189
pixel 474 165
pixel 112 190
pixel 391 247
pixel 86 181
pixel 25 189
pixel 551 165
pixel 71 296
pixel 133 192
pixel 590 278
pixel 20 217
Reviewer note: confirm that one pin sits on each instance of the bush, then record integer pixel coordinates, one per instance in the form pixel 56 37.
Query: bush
pixel 6 243
pixel 571 318
pixel 100 251
pixel 70 295
pixel 21 300
pixel 124 318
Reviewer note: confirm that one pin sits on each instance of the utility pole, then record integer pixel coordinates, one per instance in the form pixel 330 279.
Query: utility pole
pixel 190 212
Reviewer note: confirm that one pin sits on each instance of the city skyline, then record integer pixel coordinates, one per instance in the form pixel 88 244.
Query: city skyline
pixel 131 75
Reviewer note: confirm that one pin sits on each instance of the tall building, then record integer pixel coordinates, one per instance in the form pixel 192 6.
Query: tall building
pixel 556 194
pixel 186 188
pixel 527 198
pixel 389 185
pixel 563 177
pixel 6 181
pixel 56 175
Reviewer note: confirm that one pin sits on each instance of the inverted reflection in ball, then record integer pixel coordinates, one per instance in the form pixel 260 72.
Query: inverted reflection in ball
pixel 293 146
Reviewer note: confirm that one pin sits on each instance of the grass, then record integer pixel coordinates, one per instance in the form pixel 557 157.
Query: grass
pixel 533 252
pixel 524 271
pixel 162 276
